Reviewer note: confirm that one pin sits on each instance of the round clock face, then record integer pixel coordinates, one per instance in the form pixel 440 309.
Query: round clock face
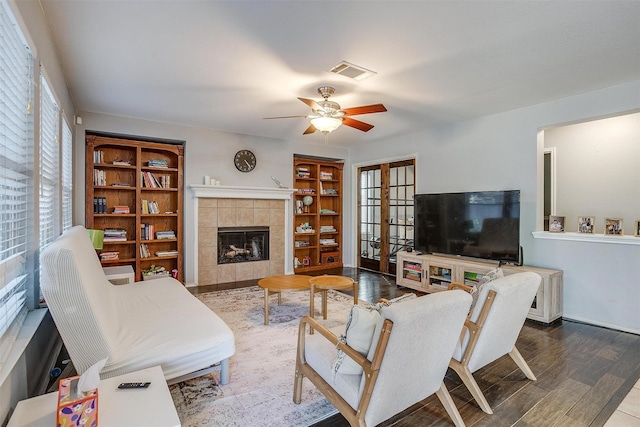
pixel 245 161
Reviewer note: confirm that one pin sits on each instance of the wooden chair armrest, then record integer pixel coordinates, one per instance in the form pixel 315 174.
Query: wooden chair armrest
pixel 456 285
pixel 331 337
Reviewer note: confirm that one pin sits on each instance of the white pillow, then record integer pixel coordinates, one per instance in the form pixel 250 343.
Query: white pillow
pixel 359 329
pixel 361 325
pixel 490 276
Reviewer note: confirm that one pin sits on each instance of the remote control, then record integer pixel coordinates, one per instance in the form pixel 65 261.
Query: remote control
pixel 133 385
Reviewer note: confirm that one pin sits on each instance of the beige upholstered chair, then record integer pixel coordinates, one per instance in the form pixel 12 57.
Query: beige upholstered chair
pixel 493 327
pixel 411 348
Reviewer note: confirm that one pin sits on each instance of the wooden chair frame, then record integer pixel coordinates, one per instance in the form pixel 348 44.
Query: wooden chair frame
pixel 370 371
pixel 475 329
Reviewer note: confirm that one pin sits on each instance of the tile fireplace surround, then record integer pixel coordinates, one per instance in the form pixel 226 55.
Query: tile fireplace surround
pixel 226 206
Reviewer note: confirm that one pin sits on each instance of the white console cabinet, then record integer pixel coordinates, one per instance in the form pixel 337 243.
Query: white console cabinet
pixel 433 273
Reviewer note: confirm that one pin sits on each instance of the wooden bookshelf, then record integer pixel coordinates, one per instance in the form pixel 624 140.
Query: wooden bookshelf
pixel 317 246
pixel 123 172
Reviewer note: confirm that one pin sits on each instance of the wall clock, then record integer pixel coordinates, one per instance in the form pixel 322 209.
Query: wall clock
pixel 245 161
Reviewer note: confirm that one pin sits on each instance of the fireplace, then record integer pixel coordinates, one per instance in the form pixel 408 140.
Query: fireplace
pixel 242 244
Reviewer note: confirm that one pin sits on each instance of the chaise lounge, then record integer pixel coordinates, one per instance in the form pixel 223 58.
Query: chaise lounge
pixel 134 326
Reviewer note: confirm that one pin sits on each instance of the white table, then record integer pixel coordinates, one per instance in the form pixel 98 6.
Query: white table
pixel 150 407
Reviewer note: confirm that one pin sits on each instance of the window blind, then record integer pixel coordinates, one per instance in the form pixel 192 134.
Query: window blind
pixel 67 176
pixel 16 176
pixel 49 208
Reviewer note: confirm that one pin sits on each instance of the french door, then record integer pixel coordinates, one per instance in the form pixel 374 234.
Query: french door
pixel 385 213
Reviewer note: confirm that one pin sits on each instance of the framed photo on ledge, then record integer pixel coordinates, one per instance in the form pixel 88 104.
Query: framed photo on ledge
pixel 636 228
pixel 586 224
pixel 613 226
pixel 556 223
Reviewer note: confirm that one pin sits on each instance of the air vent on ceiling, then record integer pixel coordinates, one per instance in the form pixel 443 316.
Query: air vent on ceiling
pixel 352 71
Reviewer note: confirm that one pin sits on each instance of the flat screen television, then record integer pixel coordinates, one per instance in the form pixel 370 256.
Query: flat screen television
pixel 481 224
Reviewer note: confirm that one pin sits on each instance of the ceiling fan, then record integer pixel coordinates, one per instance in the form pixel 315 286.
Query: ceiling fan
pixel 327 116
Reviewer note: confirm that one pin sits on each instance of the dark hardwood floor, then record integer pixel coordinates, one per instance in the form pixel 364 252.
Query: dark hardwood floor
pixel 583 373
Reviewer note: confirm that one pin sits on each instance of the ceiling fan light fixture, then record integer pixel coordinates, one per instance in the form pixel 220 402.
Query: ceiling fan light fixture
pixel 326 124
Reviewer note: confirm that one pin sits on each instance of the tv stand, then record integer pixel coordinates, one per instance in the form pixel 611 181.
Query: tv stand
pixel 434 273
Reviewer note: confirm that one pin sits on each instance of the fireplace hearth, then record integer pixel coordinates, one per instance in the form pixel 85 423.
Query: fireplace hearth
pixel 242 244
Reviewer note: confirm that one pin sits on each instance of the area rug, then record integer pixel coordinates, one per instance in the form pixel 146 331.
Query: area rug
pixel 260 392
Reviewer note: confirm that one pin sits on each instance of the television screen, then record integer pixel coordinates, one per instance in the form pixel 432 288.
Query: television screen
pixel 483 224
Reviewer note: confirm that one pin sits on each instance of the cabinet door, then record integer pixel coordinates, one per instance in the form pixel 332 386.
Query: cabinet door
pixel 439 275
pixel 410 272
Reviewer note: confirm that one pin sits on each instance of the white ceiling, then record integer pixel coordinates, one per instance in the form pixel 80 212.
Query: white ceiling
pixel 227 64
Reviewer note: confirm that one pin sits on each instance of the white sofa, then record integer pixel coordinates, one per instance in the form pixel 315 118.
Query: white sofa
pixel 136 326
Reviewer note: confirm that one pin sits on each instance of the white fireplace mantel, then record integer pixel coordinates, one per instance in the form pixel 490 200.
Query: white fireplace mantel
pixel 234 192
pixel 237 192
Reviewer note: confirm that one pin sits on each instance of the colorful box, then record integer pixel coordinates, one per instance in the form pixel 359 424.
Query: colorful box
pixel 74 407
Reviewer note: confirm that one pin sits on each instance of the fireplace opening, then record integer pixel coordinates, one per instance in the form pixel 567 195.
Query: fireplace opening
pixel 242 244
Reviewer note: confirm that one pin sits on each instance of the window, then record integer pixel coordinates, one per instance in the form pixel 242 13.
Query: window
pixel 49 165
pixel 67 176
pixel 16 177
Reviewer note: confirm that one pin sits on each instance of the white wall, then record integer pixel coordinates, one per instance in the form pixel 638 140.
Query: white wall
pixel 597 170
pixel 207 152
pixel 601 281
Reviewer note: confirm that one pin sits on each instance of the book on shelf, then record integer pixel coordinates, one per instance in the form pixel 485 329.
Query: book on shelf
pixel 120 162
pixel 169 234
pixel 306 191
pixel 167 253
pixel 115 235
pixel 144 251
pixel 157 163
pixel 147 231
pixel 109 256
pixel 99 205
pixel 98 156
pixel 121 209
pixel 120 184
pixel 149 206
pixel 99 178
pixel 326 176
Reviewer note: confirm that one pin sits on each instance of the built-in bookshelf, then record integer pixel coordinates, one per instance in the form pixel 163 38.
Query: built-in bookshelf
pixel 317 214
pixel 135 194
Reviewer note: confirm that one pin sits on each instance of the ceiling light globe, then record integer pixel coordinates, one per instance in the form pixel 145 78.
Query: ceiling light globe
pixel 326 124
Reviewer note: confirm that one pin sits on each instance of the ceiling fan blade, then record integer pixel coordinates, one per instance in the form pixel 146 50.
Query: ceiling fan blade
pixel 365 109
pixel 357 124
pixel 283 117
pixel 310 129
pixel 312 104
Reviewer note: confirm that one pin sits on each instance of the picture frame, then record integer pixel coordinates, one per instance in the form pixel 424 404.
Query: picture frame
pixel 586 224
pixel 613 226
pixel 636 228
pixel 556 223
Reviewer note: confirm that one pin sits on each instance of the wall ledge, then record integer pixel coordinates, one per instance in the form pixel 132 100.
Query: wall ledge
pixel 28 330
pixel 588 238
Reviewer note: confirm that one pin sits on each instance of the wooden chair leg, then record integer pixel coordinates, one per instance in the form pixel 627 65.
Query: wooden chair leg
pixel 467 378
pixel 522 364
pixel 449 406
pixel 297 386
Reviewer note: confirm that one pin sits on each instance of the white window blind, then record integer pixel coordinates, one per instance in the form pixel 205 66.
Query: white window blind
pixel 16 176
pixel 49 200
pixel 67 175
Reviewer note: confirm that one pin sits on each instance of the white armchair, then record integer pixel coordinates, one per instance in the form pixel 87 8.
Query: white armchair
pixel 493 327
pixel 411 348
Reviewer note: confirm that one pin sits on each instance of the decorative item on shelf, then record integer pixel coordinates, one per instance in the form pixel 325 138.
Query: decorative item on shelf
pixel 306 261
pixel 296 263
pixel 556 223
pixel 96 237
pixel 307 201
pixel 586 224
pixel 613 226
pixel 154 272
pixel 304 227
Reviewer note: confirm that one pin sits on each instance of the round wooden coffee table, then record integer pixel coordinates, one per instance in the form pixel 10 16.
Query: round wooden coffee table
pixel 322 284
pixel 278 284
